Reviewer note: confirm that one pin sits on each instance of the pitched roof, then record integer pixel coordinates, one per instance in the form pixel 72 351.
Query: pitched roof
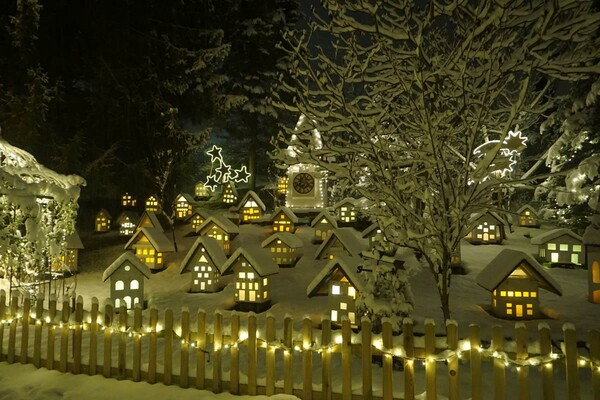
pixel 348 200
pixel 506 262
pixel 74 241
pixel 259 258
pixel 126 258
pixel 370 229
pixel 221 222
pixel 157 238
pixel 105 212
pixel 287 211
pixel 233 187
pixel 327 216
pixel 591 236
pixel 343 265
pixel 213 250
pixel 132 216
pixel 185 196
pixel 203 213
pixel 288 238
pixel 553 234
pixel 527 207
pixel 152 217
pixel 496 216
pixel 348 238
pixel 251 194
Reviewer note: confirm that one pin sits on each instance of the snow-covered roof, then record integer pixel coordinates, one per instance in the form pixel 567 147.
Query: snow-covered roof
pixel 126 258
pixel 259 258
pixel 553 234
pixel 74 241
pixel 156 237
pixel 370 229
pixel 213 249
pixel 506 262
pixel 379 258
pixel 347 201
pixel 232 185
pixel 327 216
pixel 496 216
pixel 343 265
pixel 184 197
pixel 151 217
pixel 287 238
pixel 221 222
pixel 105 212
pixel 127 215
pixel 591 236
pixel 251 194
pixel 525 208
pixel 287 211
pixel 202 213
pixel 316 141
pixel 348 238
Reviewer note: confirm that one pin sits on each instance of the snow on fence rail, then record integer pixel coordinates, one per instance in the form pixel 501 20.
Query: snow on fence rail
pixel 244 358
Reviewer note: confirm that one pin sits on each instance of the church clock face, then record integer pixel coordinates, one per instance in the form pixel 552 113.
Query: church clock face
pixel 304 183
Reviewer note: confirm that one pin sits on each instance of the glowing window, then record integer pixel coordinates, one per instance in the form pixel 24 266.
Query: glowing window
pixel 250 275
pixel 119 285
pixel 577 247
pixel 509 311
pixel 351 291
pixel 503 293
pixel 551 246
pixel 334 315
pixel 510 293
pixel 564 247
pixel 529 312
pixel 517 294
pixel 265 281
pixel 525 294
pixel 533 294
pixel 242 275
pixel 134 284
pixel 343 306
pixel 335 289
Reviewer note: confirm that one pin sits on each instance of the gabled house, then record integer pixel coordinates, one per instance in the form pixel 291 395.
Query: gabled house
pixel 204 260
pixel 282 185
pixel 229 194
pixel 127 274
pixel 284 247
pixel 514 279
pixel 341 241
pixel 201 190
pixel 561 246
pixel 183 206
pixel 221 229
pixel 150 219
pixel 528 217
pixel 591 245
pixel 128 200
pixel 252 266
pixel 196 219
pixel 488 228
pixel 250 208
pixel 150 246
pixel 284 220
pixel 69 259
pixel 102 221
pixel 377 239
pixel 341 282
pixel 346 210
pixel 152 204
pixel 126 222
pixel 323 223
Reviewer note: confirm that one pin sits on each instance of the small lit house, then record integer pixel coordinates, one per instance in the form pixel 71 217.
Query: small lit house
pixel 252 266
pixel 284 220
pixel 128 200
pixel 514 279
pixel 183 206
pixel 591 245
pixel 127 274
pixel 102 221
pixel 284 247
pixel 341 282
pixel 528 217
pixel 70 257
pixel 150 219
pixel 229 194
pixel 251 207
pixel 377 239
pixel 201 190
pixel 150 246
pixel 126 222
pixel 346 210
pixel 282 185
pixel 152 204
pixel 221 229
pixel 560 246
pixel 341 241
pixel 488 228
pixel 204 260
pixel 196 219
pixel 323 223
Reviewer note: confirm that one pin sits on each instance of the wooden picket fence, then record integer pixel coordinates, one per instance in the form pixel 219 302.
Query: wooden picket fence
pixel 243 357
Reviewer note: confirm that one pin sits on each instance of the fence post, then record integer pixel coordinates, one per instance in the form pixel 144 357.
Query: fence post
pixel 108 318
pixel 547 368
pixel 288 354
pixel 25 329
pixel 77 336
pixel 51 332
pixel 346 359
pixel 12 332
pixel 307 392
pixel 234 373
pixel 152 345
pixel 37 339
pixel 200 349
pixel 430 363
pixel 252 354
pixel 137 342
pixel 93 359
pixel 64 335
pixel 475 359
pixel 409 365
pixel 270 356
pixel 122 360
pixel 2 319
pixel 499 367
pixel 453 367
pixel 571 361
pixel 217 385
pixel 326 358
pixel 184 368
pixel 367 358
pixel 522 354
pixel 168 337
pixel 594 338
pixel 387 360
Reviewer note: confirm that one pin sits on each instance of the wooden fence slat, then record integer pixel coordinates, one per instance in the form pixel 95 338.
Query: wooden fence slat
pixel 252 354
pixel 453 367
pixel 64 336
pixel 270 356
pixel 547 368
pixel 152 345
pixel 367 359
pixel 168 347
pixel 346 360
pixel 522 354
pixel 137 342
pixel 200 349
pixel 108 320
pixel 12 330
pixel 326 359
pixel 122 349
pixel 475 359
pixel 184 368
pixel 93 354
pixel 217 384
pixel 25 329
pixel 571 361
pixel 288 361
pixel 234 373
pixel 594 340
pixel 77 336
pixel 2 318
pixel 37 338
pixel 307 392
pixel 51 332
pixel 430 363
pixel 409 365
pixel 388 361
pixel 499 367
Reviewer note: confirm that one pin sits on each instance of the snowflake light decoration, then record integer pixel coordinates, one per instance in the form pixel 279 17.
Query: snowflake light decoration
pixel 223 172
pixel 505 160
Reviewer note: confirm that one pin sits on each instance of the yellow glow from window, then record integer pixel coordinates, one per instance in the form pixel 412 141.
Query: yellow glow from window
pixel 503 293
pixel 510 293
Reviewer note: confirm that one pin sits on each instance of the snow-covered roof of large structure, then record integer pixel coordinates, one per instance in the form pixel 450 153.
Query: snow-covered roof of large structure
pixel 213 249
pixel 126 258
pixel 287 238
pixel 156 237
pixel 316 142
pixel 553 234
pixel 221 222
pixel 506 262
pixel 340 264
pixel 259 258
pixel 348 238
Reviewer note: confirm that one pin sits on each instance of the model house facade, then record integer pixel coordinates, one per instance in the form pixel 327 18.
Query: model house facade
pixel 150 246
pixel 488 229
pixel 251 207
pixel 69 260
pixel 341 241
pixel 201 191
pixel 183 206
pixel 561 246
pixel 229 194
pixel 150 219
pixel 376 239
pixel 152 204
pixel 323 223
pixel 102 221
pixel 528 217
pixel 284 247
pixel 196 219
pixel 126 222
pixel 128 200
pixel 204 262
pixel 346 211
pixel 127 274
pixel 284 220
pixel 221 229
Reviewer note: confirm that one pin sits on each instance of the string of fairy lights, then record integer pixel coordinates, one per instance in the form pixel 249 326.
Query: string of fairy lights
pixel 397 352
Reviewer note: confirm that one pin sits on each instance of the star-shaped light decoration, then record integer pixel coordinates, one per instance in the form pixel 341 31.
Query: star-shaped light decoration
pixel 514 142
pixel 241 175
pixel 215 154
pixel 502 164
pixel 211 182
pixel 225 171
